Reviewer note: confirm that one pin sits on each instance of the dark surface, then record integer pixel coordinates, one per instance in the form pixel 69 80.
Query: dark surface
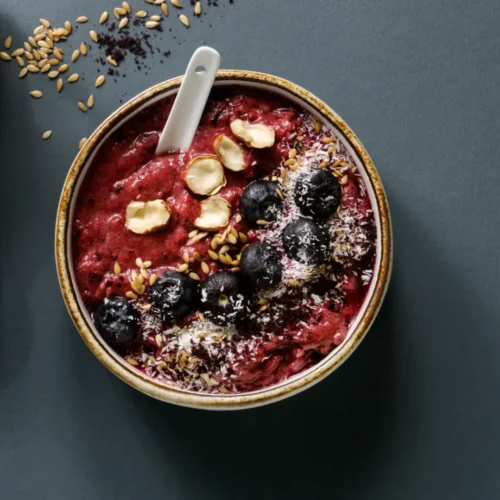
pixel 414 414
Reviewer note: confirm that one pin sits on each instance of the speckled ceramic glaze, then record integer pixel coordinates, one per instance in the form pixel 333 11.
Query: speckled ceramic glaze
pixel 293 385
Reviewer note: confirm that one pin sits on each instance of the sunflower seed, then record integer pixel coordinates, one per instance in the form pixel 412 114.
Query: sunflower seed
pixel 5 56
pixel 194 276
pixel 197 256
pixel 213 255
pixel 75 55
pixel 46 134
pixel 45 68
pixel 99 80
pixel 193 233
pixel 82 19
pixel 59 84
pixel 123 23
pixel 131 295
pixel 32 41
pixel 151 24
pixel 23 72
pixel 81 143
pixel 63 68
pixel 82 106
pixel 197 9
pixel 18 52
pixel 261 222
pixel 20 61
pixel 73 78
pixel 176 3
pixel 93 36
pixel 155 18
pixel 182 268
pixel 141 13
pixel 8 42
pixel 231 239
pixel 36 94
pixel 185 258
pixel 121 11
pixel 104 17
pixel 205 268
pixel 138 262
pixel 83 49
pixel 111 61
pixel 45 22
pixel 184 20
pixel 126 6
pixel 41 63
pixel 68 27
pixel 164 9
pixel 344 180
pixel 152 279
pixel 90 101
pixel 33 69
pixel 39 29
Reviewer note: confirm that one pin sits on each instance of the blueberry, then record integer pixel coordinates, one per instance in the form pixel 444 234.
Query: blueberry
pixel 317 194
pixel 260 201
pixel 222 299
pixel 306 241
pixel 117 321
pixel 173 295
pixel 261 266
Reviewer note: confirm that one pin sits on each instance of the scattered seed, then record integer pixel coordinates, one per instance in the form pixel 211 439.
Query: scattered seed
pixel 176 3
pixel 75 55
pixel 327 140
pixel 158 339
pixel 99 80
pixel 151 24
pixel 131 295
pixel 223 259
pixel 184 20
pixel 121 11
pixel 238 218
pixel 39 29
pixel 132 361
pixel 213 255
pixel 343 181
pixel 126 6
pixel 197 9
pixel 83 49
pixel 144 273
pixel 152 279
pixel 20 61
pixel 261 222
pixel 68 27
pixel 32 41
pixel 82 106
pixel 82 19
pixel 164 9
pixel 111 61
pixel 293 282
pixel 5 56
pixel 243 237
pixel 41 63
pixel 45 68
pixel 104 17
pixel 23 72
pixel 197 256
pixel 205 268
pixel 194 276
pixel 8 42
pixel 141 13
pixel 183 267
pixel 36 94
pixel 317 126
pixel 27 47
pixel 123 23
pixel 138 262
pixel 223 249
pixel 18 52
pixel 90 101
pixel 193 233
pixel 93 36
pixel 58 55
pixel 46 134
pixel 289 162
pixel 45 23
pixel 155 18
pixel 63 68
pixel 117 268
pixel 280 194
pixel 73 78
pixel 59 84
pixel 185 258
pixel 231 239
pixel 33 69
pixel 81 143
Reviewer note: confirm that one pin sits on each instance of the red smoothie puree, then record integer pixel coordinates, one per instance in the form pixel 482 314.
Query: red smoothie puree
pixel 283 328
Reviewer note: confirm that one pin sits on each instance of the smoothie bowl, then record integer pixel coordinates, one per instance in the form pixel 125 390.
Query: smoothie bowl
pixel 235 273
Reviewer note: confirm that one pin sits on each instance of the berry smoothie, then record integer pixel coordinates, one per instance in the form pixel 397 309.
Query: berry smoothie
pixel 231 266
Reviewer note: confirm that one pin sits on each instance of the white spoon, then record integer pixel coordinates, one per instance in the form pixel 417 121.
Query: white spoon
pixel 189 104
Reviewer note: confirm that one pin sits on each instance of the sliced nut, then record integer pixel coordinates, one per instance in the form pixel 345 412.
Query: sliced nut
pixel 215 213
pixel 205 175
pixel 230 153
pixel 254 135
pixel 146 217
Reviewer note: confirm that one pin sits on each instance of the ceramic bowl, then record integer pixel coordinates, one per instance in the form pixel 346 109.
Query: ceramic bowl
pixel 293 385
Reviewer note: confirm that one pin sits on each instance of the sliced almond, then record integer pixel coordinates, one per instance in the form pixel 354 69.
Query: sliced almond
pixel 215 213
pixel 205 175
pixel 146 217
pixel 230 153
pixel 254 135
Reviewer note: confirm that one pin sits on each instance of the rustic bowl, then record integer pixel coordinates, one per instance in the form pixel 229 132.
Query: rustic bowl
pixel 295 384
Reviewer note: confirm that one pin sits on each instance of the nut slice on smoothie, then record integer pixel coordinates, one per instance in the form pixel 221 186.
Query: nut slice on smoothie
pixel 144 217
pixel 205 175
pixel 254 135
pixel 215 213
pixel 230 153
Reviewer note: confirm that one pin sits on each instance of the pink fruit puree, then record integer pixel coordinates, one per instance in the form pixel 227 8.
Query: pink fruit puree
pixel 298 322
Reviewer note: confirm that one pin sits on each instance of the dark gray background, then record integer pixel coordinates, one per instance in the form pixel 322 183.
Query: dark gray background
pixel 415 413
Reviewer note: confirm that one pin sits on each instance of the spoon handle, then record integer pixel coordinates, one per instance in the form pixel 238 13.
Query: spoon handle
pixel 190 102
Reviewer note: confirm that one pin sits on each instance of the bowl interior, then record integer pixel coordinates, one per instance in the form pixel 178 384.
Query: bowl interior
pixel 340 351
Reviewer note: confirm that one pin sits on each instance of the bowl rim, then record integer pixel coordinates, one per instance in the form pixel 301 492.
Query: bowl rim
pixel 171 394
